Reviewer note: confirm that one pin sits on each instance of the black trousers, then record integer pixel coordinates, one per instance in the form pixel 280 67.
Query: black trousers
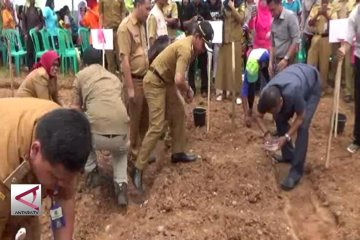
pixel 357 102
pixel 202 64
pixel 255 87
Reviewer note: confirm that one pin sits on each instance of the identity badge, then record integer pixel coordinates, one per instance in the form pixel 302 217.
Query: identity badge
pixel 25 199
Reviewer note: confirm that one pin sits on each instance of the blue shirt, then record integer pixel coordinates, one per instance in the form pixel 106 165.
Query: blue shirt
pixel 296 83
pixel 261 58
pixel 294 6
pixel 50 21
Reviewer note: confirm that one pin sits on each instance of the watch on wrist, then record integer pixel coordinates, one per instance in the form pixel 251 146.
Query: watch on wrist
pixel 288 137
pixel 286 58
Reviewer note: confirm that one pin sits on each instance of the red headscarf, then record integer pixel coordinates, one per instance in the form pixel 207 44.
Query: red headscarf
pixel 47 60
pixel 91 3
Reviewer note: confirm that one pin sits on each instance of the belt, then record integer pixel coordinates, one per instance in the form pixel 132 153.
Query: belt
pixel 324 35
pixel 156 73
pixel 137 76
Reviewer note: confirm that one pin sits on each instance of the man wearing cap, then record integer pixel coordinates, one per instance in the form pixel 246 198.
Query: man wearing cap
pixel 97 92
pixel 163 84
pixel 112 12
pixel 134 65
pixel 256 70
pixel 295 90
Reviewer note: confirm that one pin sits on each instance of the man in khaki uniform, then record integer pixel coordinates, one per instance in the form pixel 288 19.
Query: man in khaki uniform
pixel 134 65
pixel 172 19
pixel 156 23
pixel 112 12
pixel 98 93
pixel 320 49
pixel 343 9
pixel 38 148
pixel 162 84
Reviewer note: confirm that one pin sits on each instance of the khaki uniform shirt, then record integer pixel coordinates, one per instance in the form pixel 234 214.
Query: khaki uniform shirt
pixel 36 85
pixel 171 11
pixel 343 7
pixel 152 25
pixel 176 58
pixel 322 24
pixel 132 43
pixel 113 12
pixel 99 92
pixel 233 21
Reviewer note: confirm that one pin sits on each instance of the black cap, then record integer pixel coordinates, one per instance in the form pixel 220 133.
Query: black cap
pixel 206 31
pixel 92 56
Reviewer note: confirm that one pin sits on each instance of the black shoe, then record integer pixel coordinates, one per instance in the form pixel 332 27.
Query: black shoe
pixel 93 179
pixel 136 176
pixel 279 159
pixel 183 157
pixel 290 182
pixel 121 194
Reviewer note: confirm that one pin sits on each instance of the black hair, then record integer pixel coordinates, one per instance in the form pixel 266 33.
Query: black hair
pixel 49 3
pixel 65 138
pixel 277 2
pixel 139 2
pixel 92 56
pixel 159 45
pixel 269 99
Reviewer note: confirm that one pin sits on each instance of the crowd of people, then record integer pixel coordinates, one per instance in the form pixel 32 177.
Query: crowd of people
pixel 150 75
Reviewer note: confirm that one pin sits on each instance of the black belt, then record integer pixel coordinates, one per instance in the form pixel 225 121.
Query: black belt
pixel 154 71
pixel 113 135
pixel 137 76
pixel 324 35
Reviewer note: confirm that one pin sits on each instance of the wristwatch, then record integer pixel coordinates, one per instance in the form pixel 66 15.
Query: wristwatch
pixel 288 137
pixel 286 58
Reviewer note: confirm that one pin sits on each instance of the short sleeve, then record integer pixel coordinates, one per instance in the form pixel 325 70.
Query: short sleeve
pixel 313 12
pixel 294 29
pixel 152 27
pixel 351 28
pixel 174 11
pixel 124 41
pixel 183 60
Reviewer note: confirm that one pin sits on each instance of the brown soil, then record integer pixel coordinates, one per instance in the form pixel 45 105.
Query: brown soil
pixel 232 191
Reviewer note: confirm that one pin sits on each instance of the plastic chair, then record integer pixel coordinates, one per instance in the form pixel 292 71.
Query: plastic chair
pixel 16 48
pixel 67 50
pixel 35 39
pixel 45 39
pixel 3 50
pixel 84 34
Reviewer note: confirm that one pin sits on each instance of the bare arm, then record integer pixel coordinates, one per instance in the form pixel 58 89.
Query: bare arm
pixel 296 124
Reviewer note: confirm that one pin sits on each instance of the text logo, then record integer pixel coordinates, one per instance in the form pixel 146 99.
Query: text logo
pixel 25 199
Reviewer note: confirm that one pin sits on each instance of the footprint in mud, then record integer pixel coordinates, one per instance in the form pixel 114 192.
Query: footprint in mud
pixel 307 218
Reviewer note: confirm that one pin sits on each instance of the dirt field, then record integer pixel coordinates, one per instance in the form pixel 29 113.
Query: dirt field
pixel 232 191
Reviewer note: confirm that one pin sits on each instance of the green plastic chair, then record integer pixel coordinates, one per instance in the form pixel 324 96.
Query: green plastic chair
pixel 36 43
pixel 45 39
pixel 84 34
pixel 3 50
pixel 16 47
pixel 67 51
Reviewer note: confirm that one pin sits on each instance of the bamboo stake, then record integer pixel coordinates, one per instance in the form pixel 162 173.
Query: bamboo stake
pixel 334 117
pixel 209 92
pixel 10 69
pixel 233 81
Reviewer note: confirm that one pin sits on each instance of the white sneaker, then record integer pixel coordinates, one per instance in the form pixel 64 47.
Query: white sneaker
pixel 353 148
pixel 238 101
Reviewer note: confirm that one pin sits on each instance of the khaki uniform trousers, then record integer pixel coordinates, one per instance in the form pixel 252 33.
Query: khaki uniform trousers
pixel 349 75
pixel 319 55
pixel 139 117
pixel 118 147
pixel 164 104
pixel 112 56
pixel 10 225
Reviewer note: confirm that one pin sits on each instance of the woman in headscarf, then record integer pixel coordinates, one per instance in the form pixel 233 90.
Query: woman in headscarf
pixel 42 80
pixel 91 18
pixel 262 26
pixel 81 12
pixel 234 16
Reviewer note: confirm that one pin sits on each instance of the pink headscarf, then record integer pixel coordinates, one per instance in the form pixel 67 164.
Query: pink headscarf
pixel 262 25
pixel 47 60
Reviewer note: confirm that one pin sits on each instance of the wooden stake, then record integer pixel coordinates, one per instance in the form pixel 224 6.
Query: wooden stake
pixel 233 81
pixel 10 69
pixel 334 113
pixel 209 92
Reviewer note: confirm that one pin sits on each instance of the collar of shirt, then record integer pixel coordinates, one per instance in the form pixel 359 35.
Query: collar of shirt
pixel 133 19
pixel 282 15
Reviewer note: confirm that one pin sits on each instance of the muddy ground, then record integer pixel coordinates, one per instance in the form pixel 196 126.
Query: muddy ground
pixel 232 191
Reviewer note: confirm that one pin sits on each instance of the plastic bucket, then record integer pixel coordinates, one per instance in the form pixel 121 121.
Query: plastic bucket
pixel 199 114
pixel 341 123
